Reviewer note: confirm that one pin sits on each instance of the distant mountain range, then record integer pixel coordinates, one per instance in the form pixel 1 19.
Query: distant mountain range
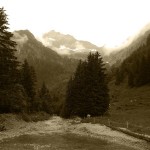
pixel 67 45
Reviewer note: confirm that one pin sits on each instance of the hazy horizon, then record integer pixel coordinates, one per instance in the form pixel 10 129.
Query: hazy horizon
pixel 101 22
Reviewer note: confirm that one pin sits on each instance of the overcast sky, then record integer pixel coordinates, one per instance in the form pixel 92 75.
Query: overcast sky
pixel 102 22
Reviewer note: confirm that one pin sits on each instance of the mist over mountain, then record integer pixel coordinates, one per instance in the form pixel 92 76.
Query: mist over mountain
pixel 67 45
pixel 134 43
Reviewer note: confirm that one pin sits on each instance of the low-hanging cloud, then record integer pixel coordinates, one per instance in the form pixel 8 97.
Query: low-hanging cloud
pixel 20 39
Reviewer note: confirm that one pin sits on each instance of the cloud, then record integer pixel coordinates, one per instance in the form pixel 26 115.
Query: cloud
pixel 20 39
pixel 79 45
pixel 48 42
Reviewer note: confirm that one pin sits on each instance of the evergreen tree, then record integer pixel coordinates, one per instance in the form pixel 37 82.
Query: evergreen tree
pixel 96 87
pixel 56 104
pixel 12 94
pixel 28 80
pixel 8 61
pixel 46 99
pixel 70 98
pixel 87 91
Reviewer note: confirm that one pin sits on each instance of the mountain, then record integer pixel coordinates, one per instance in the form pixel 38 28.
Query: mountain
pixel 138 41
pixel 50 67
pixel 67 45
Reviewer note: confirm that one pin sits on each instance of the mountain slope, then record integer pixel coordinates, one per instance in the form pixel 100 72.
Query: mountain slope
pixel 49 66
pixel 139 41
pixel 135 69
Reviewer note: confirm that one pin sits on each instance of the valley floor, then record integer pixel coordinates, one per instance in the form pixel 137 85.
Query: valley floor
pixel 16 127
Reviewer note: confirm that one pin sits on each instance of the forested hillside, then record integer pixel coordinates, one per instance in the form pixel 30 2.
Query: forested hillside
pixel 136 68
pixel 119 55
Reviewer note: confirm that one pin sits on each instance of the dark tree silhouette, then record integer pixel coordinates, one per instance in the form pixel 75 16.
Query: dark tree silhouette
pixel 8 61
pixel 28 80
pixel 87 91
pixel 12 94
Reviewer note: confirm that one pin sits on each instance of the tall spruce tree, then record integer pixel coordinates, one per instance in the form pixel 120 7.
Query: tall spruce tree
pixel 28 80
pixel 12 94
pixel 96 86
pixel 8 61
pixel 87 91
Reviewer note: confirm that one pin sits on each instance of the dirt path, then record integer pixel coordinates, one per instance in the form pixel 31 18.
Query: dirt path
pixel 59 125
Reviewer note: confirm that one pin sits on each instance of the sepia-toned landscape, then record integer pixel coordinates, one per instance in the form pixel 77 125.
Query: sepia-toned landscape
pixel 71 79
